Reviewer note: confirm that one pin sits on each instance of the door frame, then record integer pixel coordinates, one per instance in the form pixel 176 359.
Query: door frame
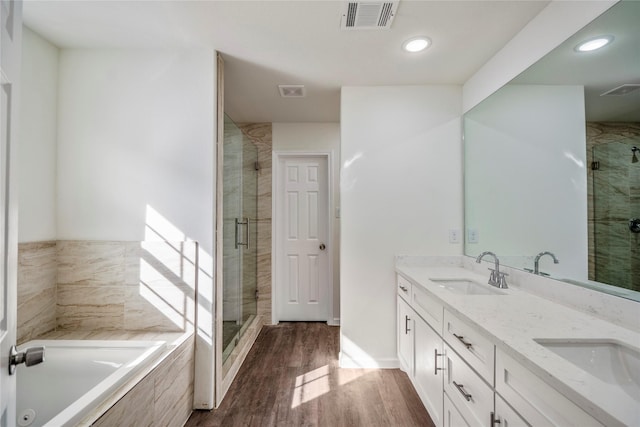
pixel 276 242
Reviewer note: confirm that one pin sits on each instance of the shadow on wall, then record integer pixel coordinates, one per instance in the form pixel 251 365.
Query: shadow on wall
pixel 147 285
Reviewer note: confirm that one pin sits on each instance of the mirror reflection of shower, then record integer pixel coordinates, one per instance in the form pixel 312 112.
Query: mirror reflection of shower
pixel 240 209
pixel 616 208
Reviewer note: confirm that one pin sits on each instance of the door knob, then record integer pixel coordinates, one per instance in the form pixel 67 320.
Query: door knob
pixel 322 247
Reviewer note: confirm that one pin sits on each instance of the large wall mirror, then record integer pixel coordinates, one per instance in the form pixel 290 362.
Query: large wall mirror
pixel 552 162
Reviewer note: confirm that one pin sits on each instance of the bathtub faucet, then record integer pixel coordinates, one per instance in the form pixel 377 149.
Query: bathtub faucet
pixel 31 356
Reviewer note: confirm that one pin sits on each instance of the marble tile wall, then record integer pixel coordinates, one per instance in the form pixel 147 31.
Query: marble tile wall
pixel 106 285
pixel 613 198
pixel 37 280
pixel 162 398
pixel 261 135
pixel 126 285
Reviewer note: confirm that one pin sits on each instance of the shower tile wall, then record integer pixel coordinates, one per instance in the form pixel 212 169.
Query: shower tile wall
pixel 261 135
pixel 614 253
pixel 100 285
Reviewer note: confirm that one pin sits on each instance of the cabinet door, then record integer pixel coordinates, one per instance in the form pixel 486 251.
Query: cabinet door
pixel 453 417
pixel 505 416
pixel 405 336
pixel 429 369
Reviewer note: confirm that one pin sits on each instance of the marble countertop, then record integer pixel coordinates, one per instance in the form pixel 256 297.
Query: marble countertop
pixel 513 320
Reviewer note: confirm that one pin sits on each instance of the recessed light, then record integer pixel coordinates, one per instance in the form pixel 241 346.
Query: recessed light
pixel 416 44
pixel 593 43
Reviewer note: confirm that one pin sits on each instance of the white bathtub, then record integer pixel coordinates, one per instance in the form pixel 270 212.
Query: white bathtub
pixel 75 377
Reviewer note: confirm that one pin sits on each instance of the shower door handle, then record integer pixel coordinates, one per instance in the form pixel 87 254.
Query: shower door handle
pixel 634 225
pixel 246 241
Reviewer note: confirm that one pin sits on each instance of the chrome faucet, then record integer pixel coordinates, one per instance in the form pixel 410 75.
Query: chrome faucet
pixel 536 269
pixel 497 278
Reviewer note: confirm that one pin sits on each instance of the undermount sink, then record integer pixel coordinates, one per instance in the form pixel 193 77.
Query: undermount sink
pixel 611 362
pixel 466 287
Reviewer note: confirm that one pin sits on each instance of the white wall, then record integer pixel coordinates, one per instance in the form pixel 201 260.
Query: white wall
pixel 401 183
pixel 135 131
pixel 136 159
pixel 525 176
pixel 37 148
pixel 557 22
pixel 319 137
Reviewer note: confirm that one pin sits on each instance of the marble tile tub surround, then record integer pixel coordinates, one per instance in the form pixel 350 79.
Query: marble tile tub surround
pixel 620 311
pixel 513 321
pixel 159 395
pixel 106 285
pixel 37 289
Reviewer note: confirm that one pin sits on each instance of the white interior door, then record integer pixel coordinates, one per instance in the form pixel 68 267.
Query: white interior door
pixel 302 253
pixel 9 72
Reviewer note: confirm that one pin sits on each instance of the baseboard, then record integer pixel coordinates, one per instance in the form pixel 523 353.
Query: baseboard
pixel 334 322
pixel 368 363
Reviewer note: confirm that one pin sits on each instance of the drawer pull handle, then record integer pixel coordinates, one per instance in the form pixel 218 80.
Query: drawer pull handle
pixel 461 338
pixel 494 419
pixel 460 388
pixel 435 361
pixel 404 289
pixel 406 325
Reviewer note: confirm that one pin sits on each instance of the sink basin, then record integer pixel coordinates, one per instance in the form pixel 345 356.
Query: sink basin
pixel 610 361
pixel 466 287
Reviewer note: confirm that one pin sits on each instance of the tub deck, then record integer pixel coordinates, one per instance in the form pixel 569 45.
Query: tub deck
pixel 174 340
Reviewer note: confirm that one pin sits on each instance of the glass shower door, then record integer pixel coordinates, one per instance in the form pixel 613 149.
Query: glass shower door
pixel 240 194
pixel 616 203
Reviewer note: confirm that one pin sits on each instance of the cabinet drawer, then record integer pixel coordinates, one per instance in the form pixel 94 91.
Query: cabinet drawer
pixel 468 392
pixel 474 347
pixel 404 288
pixel 537 402
pixel 428 307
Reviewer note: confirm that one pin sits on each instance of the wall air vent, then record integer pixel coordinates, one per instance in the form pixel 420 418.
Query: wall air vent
pixel 623 90
pixel 368 15
pixel 292 91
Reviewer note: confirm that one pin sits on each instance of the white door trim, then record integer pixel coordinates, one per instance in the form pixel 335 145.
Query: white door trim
pixel 275 244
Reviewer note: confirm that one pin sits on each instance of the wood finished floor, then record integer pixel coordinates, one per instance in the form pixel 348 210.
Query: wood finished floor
pixel 291 378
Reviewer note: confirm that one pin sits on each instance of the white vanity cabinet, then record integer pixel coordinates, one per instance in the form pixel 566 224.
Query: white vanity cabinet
pixel 420 345
pixel 429 369
pixel 405 336
pixel 538 403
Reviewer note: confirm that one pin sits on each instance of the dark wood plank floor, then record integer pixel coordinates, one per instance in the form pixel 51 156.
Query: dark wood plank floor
pixel 291 378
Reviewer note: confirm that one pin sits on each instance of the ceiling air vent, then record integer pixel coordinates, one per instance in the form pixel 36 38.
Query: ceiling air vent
pixel 623 90
pixel 292 91
pixel 368 15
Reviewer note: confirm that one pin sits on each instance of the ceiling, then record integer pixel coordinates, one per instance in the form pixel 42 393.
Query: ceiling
pixel 601 70
pixel 267 43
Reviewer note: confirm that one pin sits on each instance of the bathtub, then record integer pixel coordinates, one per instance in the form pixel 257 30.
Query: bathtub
pixel 75 377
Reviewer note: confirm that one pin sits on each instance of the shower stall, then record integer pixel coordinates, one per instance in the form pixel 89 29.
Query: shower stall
pixel 240 205
pixel 616 212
